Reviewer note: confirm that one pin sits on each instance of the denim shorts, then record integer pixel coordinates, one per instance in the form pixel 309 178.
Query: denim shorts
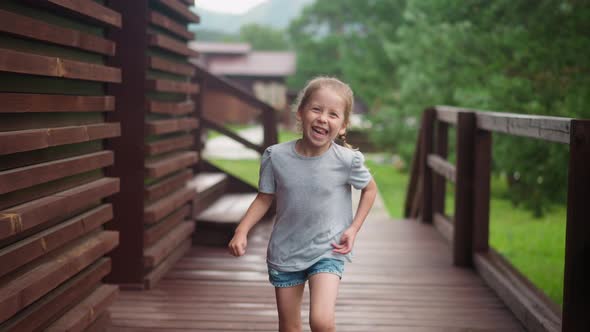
pixel 290 279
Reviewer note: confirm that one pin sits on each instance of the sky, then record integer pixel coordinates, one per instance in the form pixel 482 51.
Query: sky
pixel 228 6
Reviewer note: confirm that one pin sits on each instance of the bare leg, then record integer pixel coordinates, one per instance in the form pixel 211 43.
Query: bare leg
pixel 289 307
pixel 323 289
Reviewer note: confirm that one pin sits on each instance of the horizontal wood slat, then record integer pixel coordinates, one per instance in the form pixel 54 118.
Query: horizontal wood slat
pixel 27 63
pixel 181 108
pixel 168 185
pixel 167 205
pixel 171 164
pixel 181 9
pixel 171 67
pixel 444 226
pixel 158 127
pixel 34 139
pixel 85 312
pixel 29 176
pixel 156 253
pixel 545 128
pixel 172 86
pixel 35 29
pixel 170 44
pixel 100 324
pixel 442 167
pixel 37 280
pixel 210 124
pixel 167 145
pixel 170 25
pixel 152 278
pixel 448 114
pixel 154 233
pixel 40 244
pixel 28 215
pixel 90 9
pixel 39 103
pixel 39 314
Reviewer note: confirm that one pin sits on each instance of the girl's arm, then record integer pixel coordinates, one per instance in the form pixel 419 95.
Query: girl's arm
pixel 368 195
pixel 261 204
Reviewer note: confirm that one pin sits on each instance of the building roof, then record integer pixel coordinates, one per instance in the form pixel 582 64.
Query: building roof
pixel 269 64
pixel 220 48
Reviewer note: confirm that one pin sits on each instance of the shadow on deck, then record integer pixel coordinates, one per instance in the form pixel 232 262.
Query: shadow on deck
pixel 402 279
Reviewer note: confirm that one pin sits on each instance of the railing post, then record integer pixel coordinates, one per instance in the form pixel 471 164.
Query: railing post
pixel 198 100
pixel 269 122
pixel 576 288
pixel 481 186
pixel 439 181
pixel 428 128
pixel 463 228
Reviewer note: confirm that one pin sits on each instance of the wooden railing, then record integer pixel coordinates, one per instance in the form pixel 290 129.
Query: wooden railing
pixel 268 117
pixel 469 231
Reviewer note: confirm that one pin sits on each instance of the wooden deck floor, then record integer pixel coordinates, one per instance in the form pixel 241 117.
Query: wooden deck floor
pixel 401 280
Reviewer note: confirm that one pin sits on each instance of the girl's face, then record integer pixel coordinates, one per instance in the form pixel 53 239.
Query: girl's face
pixel 322 119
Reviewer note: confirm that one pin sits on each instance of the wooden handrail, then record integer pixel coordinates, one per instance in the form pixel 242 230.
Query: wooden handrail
pixel 222 130
pixel 469 231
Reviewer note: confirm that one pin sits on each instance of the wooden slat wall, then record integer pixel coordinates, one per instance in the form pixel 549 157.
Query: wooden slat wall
pixel 156 155
pixel 53 188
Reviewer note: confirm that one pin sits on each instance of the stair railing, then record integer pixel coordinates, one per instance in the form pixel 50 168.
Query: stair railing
pixel 268 118
pixel 469 231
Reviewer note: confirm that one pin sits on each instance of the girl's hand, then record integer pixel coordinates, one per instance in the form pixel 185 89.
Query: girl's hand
pixel 237 245
pixel 346 241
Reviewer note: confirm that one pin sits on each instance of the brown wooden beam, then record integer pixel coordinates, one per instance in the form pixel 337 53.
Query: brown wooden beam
pixel 167 185
pixel 27 27
pixel 181 10
pixel 170 25
pixel 171 67
pixel 576 286
pixel 170 44
pixel 40 103
pixel 442 167
pixel 181 108
pixel 429 116
pixel 33 64
pixel 90 9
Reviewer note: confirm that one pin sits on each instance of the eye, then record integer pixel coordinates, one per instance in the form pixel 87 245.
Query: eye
pixel 334 115
pixel 315 109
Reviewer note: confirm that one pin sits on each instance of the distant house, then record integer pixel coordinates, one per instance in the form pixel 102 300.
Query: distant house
pixel 263 73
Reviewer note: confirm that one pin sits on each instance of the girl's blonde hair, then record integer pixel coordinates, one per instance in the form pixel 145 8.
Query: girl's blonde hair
pixel 336 85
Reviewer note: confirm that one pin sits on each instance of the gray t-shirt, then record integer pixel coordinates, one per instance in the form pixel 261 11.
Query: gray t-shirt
pixel 314 204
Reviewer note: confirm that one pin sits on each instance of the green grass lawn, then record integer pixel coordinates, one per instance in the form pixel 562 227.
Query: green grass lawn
pixel 536 247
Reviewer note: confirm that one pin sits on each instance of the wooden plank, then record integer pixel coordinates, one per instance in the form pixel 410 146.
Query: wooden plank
pixel 154 276
pixel 534 310
pixel 481 199
pixel 170 164
pixel 172 86
pixel 170 108
pixel 171 67
pixel 442 167
pixel 415 173
pixel 463 226
pixel 36 281
pixel 27 63
pixel 439 184
pixel 34 139
pixel 157 127
pixel 101 324
pixel 38 315
pixel 228 209
pixel 576 290
pixel 444 226
pixel 154 233
pixel 448 114
pixel 86 312
pixel 27 27
pixel 40 103
pixel 181 10
pixel 155 254
pixel 427 148
pixel 167 205
pixel 210 124
pixel 170 25
pixel 170 44
pixel 29 176
pixel 554 129
pixel 41 244
pixel 20 218
pixel 167 145
pixel 168 185
pixel 209 187
pixel 90 9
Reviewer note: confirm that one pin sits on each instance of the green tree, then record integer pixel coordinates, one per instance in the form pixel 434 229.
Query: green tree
pixel 264 38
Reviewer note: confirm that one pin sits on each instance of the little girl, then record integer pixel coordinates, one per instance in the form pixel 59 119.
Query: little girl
pixel 314 231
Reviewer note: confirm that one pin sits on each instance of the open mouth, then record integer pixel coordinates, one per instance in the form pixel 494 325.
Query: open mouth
pixel 320 131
